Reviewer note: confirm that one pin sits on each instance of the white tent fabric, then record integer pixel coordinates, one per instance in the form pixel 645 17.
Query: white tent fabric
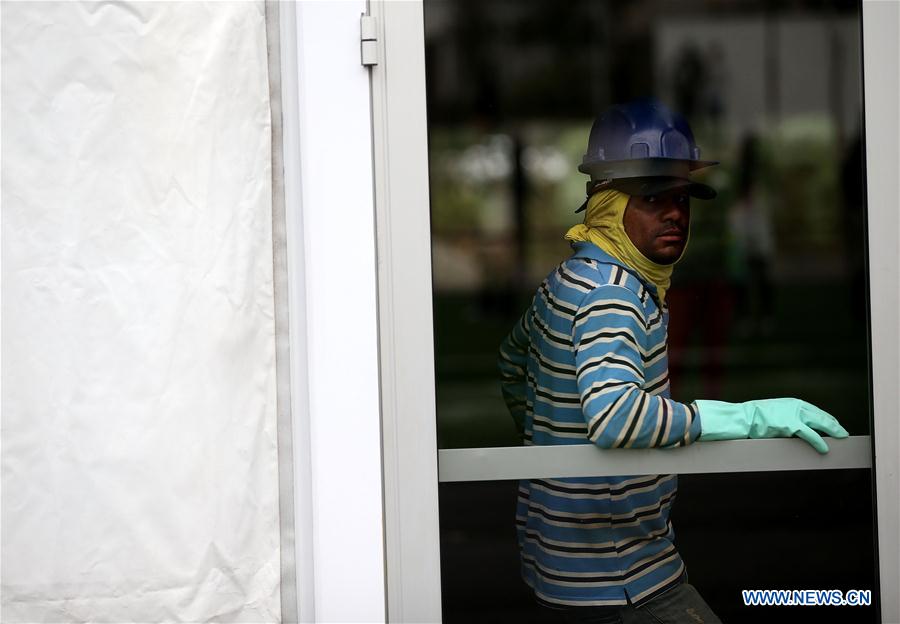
pixel 139 456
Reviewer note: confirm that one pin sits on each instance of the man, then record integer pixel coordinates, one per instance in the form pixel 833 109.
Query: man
pixel 587 363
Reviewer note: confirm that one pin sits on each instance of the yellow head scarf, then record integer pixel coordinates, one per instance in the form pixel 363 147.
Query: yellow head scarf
pixel 604 227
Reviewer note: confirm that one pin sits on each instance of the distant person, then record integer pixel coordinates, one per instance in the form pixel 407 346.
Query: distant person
pixel 688 73
pixel 750 230
pixel 587 363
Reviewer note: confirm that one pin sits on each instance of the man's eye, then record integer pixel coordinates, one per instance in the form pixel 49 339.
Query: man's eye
pixel 650 199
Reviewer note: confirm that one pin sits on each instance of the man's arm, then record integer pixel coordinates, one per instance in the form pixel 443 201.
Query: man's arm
pixel 513 362
pixel 610 358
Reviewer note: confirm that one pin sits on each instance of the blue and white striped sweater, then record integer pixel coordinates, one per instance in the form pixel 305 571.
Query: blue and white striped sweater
pixel 588 363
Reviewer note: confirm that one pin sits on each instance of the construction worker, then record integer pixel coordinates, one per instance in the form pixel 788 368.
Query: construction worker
pixel 587 363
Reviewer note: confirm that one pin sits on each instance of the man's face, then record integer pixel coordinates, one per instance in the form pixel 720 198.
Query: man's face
pixel 658 224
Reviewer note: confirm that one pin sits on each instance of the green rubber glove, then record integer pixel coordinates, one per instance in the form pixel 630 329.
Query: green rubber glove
pixel 767 418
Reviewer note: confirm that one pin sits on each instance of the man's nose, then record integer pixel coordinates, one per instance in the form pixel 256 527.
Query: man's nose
pixel 674 210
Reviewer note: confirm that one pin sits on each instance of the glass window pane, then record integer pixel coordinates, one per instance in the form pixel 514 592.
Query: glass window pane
pixel 769 299
pixel 772 94
pixel 734 532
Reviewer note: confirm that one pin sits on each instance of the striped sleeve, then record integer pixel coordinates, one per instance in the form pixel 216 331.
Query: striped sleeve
pixel 513 361
pixel 610 342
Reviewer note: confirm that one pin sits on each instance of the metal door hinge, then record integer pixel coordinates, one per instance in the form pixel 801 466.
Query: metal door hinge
pixel 368 40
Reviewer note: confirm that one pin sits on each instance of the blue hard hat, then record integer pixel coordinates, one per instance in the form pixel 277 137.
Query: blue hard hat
pixel 643 148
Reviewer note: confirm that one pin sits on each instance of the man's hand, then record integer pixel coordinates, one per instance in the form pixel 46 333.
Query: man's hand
pixel 767 418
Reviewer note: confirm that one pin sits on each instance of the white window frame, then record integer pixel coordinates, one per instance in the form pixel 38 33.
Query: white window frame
pixel 404 296
pixel 406 332
pixel 881 53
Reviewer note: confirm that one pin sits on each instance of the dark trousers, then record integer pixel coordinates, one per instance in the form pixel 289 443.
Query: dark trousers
pixel 680 605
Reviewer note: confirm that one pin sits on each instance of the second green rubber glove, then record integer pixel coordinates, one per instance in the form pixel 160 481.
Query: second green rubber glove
pixel 767 418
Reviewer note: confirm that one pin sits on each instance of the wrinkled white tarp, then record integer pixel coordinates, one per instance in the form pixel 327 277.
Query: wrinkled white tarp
pixel 139 466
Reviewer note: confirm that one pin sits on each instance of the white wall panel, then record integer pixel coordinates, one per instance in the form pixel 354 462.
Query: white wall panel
pixel 335 220
pixel 139 467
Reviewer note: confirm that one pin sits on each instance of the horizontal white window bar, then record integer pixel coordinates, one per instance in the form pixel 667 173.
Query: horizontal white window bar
pixel 586 460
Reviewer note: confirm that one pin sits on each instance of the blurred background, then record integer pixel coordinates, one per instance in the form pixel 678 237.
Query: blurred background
pixel 769 300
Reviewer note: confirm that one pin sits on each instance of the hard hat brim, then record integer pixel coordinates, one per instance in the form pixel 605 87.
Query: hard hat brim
pixel 653 185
